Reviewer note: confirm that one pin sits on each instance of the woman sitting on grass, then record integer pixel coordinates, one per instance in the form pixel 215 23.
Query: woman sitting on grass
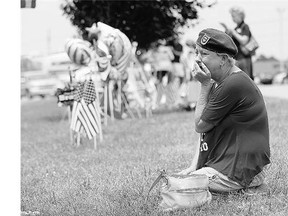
pixel 231 117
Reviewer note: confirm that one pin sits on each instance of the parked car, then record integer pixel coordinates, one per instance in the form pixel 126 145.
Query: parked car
pixel 263 79
pixel 37 83
pixel 265 69
pixel 24 91
pixel 280 78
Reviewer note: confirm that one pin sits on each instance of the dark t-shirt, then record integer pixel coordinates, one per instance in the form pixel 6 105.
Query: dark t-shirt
pixel 242 29
pixel 238 145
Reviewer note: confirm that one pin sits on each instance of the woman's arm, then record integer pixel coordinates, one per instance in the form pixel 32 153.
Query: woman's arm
pixel 242 39
pixel 204 77
pixel 193 165
pixel 200 125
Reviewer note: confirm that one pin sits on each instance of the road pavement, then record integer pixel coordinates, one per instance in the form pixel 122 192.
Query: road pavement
pixel 276 91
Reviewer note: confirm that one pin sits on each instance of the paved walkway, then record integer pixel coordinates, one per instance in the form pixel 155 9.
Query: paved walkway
pixel 278 91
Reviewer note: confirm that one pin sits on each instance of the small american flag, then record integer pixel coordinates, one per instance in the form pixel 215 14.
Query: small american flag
pixel 86 110
pixel 160 92
pixel 169 91
pixel 172 91
pixel 28 3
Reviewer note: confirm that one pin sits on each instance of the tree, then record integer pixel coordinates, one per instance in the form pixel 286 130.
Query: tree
pixel 27 64
pixel 142 21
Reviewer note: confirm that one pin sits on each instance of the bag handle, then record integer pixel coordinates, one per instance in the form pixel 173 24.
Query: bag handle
pixel 162 174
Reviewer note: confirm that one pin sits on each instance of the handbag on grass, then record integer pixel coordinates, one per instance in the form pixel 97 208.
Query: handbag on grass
pixel 250 47
pixel 183 191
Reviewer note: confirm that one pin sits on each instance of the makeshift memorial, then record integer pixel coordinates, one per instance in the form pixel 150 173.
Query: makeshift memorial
pixel 113 43
pixel 106 54
pixel 114 53
pixel 65 96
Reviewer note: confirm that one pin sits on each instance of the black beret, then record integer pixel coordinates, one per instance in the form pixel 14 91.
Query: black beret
pixel 216 41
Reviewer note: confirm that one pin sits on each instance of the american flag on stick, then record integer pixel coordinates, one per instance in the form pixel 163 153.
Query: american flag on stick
pixel 172 92
pixel 86 110
pixel 28 3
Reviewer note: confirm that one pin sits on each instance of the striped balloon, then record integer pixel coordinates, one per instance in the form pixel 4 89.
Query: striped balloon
pixel 78 51
pixel 123 61
pixel 103 60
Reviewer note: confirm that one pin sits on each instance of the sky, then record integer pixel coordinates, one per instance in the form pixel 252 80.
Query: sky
pixel 41 23
pixel 46 23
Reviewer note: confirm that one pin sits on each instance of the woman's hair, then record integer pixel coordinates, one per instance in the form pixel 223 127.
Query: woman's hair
pixel 239 11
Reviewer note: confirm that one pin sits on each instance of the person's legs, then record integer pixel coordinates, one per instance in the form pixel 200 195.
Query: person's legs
pixel 221 183
pixel 217 181
pixel 260 177
pixel 258 185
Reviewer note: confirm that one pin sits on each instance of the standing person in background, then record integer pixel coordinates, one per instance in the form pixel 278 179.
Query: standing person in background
pixel 177 50
pixel 162 58
pixel 240 35
pixel 190 89
pixel 188 59
pixel 178 71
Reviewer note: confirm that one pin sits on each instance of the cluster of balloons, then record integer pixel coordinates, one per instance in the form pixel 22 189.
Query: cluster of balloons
pixel 108 47
pixel 79 51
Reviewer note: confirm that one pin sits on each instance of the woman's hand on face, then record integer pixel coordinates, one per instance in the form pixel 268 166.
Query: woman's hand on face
pixel 201 73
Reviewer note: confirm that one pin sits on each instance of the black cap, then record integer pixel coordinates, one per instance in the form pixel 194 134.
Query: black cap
pixel 216 41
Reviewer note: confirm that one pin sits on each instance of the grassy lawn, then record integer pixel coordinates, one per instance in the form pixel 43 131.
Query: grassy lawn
pixel 60 179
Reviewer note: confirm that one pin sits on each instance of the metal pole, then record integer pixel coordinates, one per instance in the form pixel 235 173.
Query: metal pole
pixel 281 40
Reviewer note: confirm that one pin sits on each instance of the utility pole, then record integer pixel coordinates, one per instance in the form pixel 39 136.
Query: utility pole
pixel 281 39
pixel 48 41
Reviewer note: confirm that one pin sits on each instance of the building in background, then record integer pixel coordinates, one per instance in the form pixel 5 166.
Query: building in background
pixel 268 71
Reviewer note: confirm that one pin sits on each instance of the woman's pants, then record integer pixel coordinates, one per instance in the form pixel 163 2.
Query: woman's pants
pixel 221 183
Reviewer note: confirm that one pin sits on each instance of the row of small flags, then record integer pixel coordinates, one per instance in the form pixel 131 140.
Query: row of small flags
pixel 174 92
pixel 28 3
